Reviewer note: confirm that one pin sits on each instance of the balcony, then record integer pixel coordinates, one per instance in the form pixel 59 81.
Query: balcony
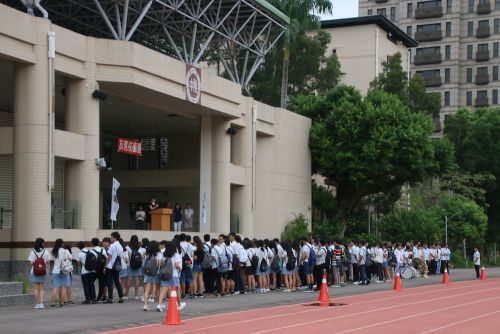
pixel 380 1
pixel 481 102
pixel 425 13
pixel 483 55
pixel 484 8
pixel 432 81
pixel 483 32
pixel 424 59
pixel 426 36
pixel 482 79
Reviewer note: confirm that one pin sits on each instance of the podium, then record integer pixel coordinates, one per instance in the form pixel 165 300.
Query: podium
pixel 160 219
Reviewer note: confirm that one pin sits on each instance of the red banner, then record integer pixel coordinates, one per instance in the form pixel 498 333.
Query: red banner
pixel 129 146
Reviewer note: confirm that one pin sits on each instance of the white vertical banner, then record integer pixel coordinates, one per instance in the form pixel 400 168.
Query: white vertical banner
pixel 203 208
pixel 114 201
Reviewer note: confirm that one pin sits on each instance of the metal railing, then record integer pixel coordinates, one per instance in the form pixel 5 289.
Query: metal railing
pixel 5 218
pixel 63 219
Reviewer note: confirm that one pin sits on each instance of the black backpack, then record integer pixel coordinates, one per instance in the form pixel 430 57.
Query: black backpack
pixel 254 261
pixel 135 260
pixel 276 263
pixel 186 260
pixel 150 266
pixel 235 262
pixel 291 262
pixel 263 265
pixel 90 261
pixel 328 258
pixel 101 261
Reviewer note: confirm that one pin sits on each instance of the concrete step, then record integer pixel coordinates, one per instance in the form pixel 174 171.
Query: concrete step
pixel 19 299
pixel 11 288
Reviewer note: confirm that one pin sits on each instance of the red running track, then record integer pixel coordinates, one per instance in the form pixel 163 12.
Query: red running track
pixel 462 307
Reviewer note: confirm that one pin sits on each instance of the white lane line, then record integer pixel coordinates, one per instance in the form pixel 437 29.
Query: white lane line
pixel 460 322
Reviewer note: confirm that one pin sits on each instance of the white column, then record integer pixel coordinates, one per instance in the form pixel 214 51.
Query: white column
pixel 205 173
pixel 82 177
pixel 221 188
pixel 31 207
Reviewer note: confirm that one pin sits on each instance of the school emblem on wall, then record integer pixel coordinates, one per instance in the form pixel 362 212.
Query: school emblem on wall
pixel 193 84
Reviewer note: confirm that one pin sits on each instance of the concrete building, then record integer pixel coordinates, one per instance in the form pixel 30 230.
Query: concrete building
pixel 375 38
pixel 246 163
pixel 458 52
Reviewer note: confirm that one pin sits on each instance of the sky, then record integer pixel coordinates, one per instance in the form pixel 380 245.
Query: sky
pixel 342 9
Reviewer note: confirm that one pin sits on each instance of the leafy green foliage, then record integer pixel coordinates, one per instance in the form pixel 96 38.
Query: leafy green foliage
pixel 296 228
pixel 366 146
pixel 418 224
pixel 393 79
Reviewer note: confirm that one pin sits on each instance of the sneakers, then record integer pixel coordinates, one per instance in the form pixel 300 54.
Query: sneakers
pixel 137 298
pixel 378 281
pixel 308 290
pixel 159 308
pixel 120 301
pixel 286 290
pixel 181 306
pixel 151 300
pixel 37 306
pixel 355 283
pixel 41 306
pixel 145 308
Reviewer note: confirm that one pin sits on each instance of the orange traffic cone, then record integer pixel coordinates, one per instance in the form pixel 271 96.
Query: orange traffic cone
pixel 446 279
pixel 397 283
pixel 173 316
pixel 483 274
pixel 324 299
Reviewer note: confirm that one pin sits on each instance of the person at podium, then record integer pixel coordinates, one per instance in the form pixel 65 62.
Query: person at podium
pixel 153 205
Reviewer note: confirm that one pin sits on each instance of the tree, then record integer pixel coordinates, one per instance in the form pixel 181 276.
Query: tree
pixel 476 136
pixel 366 146
pixel 304 18
pixel 310 70
pixel 393 79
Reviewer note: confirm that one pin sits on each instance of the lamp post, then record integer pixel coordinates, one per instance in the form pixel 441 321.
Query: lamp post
pixel 446 220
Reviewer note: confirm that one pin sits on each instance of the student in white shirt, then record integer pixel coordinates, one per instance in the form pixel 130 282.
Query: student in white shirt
pixel 115 252
pixel 261 255
pixel 477 261
pixel 354 252
pixel 152 257
pixel 188 217
pixel 36 278
pixel 88 276
pixel 251 250
pixel 308 267
pixel 445 258
pixel 286 273
pixel 186 277
pixel 378 259
pixel 124 273
pixel 59 279
pixel 134 273
pixel 170 256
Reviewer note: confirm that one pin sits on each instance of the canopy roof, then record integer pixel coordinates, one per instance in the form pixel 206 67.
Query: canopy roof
pixel 236 33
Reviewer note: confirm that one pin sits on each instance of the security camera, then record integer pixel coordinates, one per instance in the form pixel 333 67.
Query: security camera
pixel 100 163
pixel 231 131
pixel 99 94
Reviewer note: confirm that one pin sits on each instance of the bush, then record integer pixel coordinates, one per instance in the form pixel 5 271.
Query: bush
pixel 296 228
pixel 457 260
pixel 24 280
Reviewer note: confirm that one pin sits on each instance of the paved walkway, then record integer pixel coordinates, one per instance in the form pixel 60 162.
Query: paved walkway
pixel 96 318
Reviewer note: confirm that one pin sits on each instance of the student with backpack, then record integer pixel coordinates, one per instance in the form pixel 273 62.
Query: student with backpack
pixel 113 267
pixel 261 271
pixel 150 267
pixel 135 264
pixel 124 280
pixel 61 267
pixel 250 265
pixel 169 273
pixel 230 273
pixel 296 281
pixel 319 268
pixel 187 284
pixel 101 261
pixel 39 259
pixel 288 265
pixel 69 279
pixel 199 257
pixel 308 259
pixel 88 265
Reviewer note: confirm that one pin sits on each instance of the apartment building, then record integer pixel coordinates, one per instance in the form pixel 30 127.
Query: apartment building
pixel 458 52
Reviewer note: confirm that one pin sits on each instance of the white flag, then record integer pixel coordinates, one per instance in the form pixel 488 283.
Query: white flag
pixel 114 200
pixel 203 209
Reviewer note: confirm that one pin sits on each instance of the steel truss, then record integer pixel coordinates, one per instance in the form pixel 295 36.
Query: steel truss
pixel 234 33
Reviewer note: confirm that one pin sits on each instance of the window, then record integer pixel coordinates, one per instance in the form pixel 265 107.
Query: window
pixel 496 26
pixel 495 49
pixel 484 24
pixel 494 96
pixel 482 71
pixel 470 28
pixel 430 74
pixel 382 11
pixel 482 47
pixel 497 4
pixel 370 12
pixel 393 13
pixel 409 10
pixel 469 52
pixel 447 52
pixel 429 51
pixel 495 73
pixel 469 75
pixel 449 4
pixel 429 27
pixel 482 94
pixel 446 98
pixel 446 75
pixel 429 4
pixel 471 6
pixel 448 29
pixel 409 30
pixel 469 98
